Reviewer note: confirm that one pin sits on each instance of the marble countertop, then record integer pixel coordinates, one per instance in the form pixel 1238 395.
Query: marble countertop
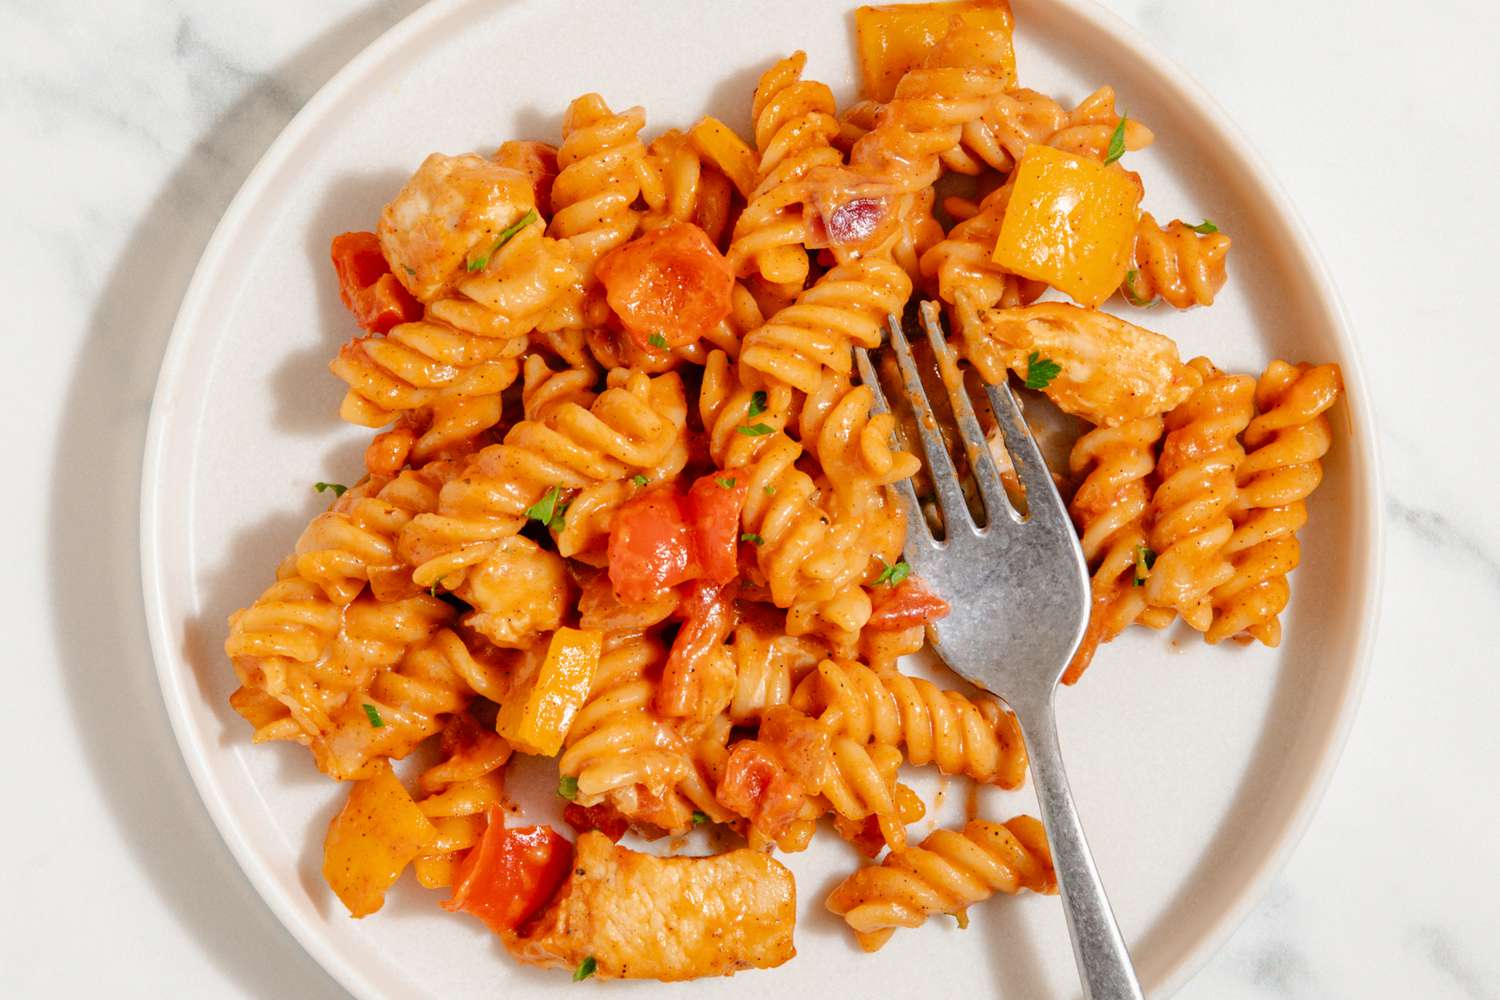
pixel 130 126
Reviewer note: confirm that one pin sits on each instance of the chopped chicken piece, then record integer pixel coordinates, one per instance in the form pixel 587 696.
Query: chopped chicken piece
pixel 451 213
pixel 1090 363
pixel 639 916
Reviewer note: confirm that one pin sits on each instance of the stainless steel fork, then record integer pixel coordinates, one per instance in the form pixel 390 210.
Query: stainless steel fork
pixel 1019 590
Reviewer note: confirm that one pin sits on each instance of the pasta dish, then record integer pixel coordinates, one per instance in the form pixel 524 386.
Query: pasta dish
pixel 627 505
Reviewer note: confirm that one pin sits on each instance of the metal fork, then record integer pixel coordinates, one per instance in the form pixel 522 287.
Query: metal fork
pixel 1022 603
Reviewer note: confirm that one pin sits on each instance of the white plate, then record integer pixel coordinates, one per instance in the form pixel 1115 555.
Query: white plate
pixel 1195 768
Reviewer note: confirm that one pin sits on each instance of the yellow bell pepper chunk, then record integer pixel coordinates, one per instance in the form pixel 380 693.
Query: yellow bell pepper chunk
pixel 543 702
pixel 899 37
pixel 718 144
pixel 376 835
pixel 1070 222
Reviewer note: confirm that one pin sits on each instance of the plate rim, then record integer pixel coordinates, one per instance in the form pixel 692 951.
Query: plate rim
pixel 1366 473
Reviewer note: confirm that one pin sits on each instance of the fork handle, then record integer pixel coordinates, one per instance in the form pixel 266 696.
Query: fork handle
pixel 1103 962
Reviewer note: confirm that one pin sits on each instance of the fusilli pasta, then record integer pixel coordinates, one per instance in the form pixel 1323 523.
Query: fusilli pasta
pixel 949 872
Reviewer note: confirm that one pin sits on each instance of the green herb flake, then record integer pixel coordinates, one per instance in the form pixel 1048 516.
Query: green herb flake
pixel 1145 558
pixel 658 341
pixel 757 403
pixel 755 430
pixel 567 787
pixel 373 714
pixel 1040 371
pixel 1116 142
pixel 769 490
pixel 480 263
pixel 639 479
pixel 893 574
pixel 547 510
pixel 699 817
pixel 1131 294
pixel 585 969
pixel 1205 227
pixel 752 538
pixel 338 488
pixel 410 271
pixel 726 481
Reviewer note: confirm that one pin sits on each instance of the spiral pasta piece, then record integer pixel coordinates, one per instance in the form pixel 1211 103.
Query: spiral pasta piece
pixel 768 665
pixel 456 793
pixel 452 365
pixel 1287 441
pixel 977 738
pixel 794 128
pixel 1177 263
pixel 600 165
pixel 949 872
pixel 860 783
pixel 564 443
pixel 304 663
pixel 798 554
pixel 619 750
pixel 1110 508
pixel 924 122
pixel 354 542
pixel 845 308
pixel 961 265
pixel 1190 509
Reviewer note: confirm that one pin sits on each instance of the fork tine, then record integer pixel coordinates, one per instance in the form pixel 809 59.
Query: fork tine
pixel 981 461
pixel 950 495
pixel 919 539
pixel 1043 503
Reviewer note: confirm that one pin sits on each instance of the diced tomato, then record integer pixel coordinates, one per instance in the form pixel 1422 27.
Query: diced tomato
pixel 537 160
pixel 709 616
pixel 911 603
pixel 603 817
pixel 758 786
pixel 366 285
pixel 650 546
pixel 669 285
pixel 661 538
pixel 864 835
pixel 713 510
pixel 511 874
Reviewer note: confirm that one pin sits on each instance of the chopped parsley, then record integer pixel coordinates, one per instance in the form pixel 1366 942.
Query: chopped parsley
pixel 769 490
pixel 893 574
pixel 657 340
pixel 567 787
pixel 639 479
pixel 1130 292
pixel 547 510
pixel 1145 558
pixel 726 481
pixel 585 969
pixel 1205 227
pixel 338 488
pixel 411 272
pixel 752 538
pixel 373 714
pixel 1116 142
pixel 1040 371
pixel 755 430
pixel 758 403
pixel 699 817
pixel 480 263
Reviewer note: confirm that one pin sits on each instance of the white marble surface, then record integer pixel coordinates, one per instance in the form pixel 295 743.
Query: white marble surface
pixel 128 127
